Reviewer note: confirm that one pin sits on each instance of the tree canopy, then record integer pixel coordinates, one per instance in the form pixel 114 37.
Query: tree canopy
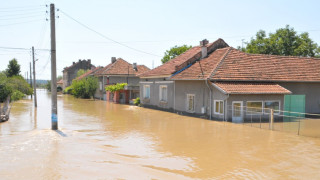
pixel 285 41
pixel 174 52
pixel 81 71
pixel 13 68
pixel 84 88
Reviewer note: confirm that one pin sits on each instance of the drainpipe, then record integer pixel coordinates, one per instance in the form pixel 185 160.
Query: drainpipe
pixel 174 96
pixel 210 97
pixel 226 109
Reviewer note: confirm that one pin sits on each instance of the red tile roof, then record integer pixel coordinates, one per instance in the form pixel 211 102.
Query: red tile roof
pixel 181 61
pixel 121 67
pixel 203 68
pixel 92 71
pixel 240 66
pixel 60 81
pixel 250 88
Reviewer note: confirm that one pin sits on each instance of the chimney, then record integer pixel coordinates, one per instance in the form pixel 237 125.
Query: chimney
pixel 113 59
pixel 89 61
pixel 204 48
pixel 134 66
pixel 79 60
pixel 73 63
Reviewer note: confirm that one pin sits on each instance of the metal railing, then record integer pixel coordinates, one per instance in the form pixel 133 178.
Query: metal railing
pixel 305 124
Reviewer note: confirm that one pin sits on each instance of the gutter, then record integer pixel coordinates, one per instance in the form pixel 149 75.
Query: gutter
pixel 210 92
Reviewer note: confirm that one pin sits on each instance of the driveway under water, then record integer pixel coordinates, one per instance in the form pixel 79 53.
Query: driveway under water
pixel 101 140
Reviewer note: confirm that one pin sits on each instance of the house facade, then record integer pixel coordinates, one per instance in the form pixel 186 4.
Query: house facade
pixel 119 71
pixel 227 84
pixel 70 73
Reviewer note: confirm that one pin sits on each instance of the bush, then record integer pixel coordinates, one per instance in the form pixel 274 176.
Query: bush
pixel 17 95
pixel 84 88
pixel 116 87
pixel 136 101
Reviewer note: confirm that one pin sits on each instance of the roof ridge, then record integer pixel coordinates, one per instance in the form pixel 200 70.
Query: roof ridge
pixel 282 56
pixel 219 64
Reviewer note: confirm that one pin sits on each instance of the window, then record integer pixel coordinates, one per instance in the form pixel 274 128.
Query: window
pixel 275 105
pixel 163 93
pixel 254 107
pixel 100 85
pixel 190 102
pixel 146 90
pixel 218 107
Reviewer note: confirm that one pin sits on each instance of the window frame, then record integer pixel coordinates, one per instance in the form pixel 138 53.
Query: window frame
pixel 218 113
pixel 160 93
pixel 257 113
pixel 187 103
pixel 144 91
pixel 272 101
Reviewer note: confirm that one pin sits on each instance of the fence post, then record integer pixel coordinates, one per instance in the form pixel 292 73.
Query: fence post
pixel 271 119
pixel 299 125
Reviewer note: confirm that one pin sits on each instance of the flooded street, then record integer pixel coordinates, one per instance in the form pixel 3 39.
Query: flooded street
pixel 100 140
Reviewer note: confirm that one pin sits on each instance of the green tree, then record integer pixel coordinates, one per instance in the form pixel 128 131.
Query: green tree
pixel 84 88
pixel 285 41
pixel 81 71
pixel 91 85
pixel 13 68
pixel 174 52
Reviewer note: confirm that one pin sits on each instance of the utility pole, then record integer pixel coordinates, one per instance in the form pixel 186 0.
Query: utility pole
pixel 54 109
pixel 34 79
pixel 30 78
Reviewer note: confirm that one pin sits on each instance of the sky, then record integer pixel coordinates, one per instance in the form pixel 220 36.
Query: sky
pixel 138 30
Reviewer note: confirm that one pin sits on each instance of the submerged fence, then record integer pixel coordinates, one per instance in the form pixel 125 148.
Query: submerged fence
pixel 304 124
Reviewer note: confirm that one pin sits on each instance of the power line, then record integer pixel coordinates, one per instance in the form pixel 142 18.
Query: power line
pixel 16 48
pixel 36 20
pixel 102 35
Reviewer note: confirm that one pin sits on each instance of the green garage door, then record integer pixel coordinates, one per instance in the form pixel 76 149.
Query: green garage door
pixel 295 103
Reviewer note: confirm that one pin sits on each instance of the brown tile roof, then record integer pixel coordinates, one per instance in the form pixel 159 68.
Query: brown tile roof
pixel 240 66
pixel 92 71
pixel 203 68
pixel 250 88
pixel 181 61
pixel 121 67
pixel 60 81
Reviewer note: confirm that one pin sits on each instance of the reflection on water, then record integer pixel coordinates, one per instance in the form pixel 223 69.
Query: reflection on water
pixel 100 140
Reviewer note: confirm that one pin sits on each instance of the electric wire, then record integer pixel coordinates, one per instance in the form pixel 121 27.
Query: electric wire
pixel 102 35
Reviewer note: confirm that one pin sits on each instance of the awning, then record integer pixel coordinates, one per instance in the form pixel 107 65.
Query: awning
pixel 250 88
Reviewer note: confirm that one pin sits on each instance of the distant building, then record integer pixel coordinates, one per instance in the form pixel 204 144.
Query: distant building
pixel 119 71
pixel 70 73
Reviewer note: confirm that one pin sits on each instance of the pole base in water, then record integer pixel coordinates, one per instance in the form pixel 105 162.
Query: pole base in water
pixel 54 121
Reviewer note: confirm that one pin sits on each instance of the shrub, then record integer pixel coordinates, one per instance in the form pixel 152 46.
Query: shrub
pixel 136 101
pixel 116 87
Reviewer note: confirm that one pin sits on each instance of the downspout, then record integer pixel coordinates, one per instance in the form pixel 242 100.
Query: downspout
pixel 226 109
pixel 210 92
pixel 174 96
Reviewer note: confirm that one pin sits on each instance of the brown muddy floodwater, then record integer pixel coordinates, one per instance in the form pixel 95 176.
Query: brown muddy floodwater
pixel 100 140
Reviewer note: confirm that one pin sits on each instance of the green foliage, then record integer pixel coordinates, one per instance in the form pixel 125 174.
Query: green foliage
pixel 285 41
pixel 68 90
pixel 174 52
pixel 84 88
pixel 17 95
pixel 13 68
pixel 14 86
pixel 81 71
pixel 136 101
pixel 48 85
pixel 115 87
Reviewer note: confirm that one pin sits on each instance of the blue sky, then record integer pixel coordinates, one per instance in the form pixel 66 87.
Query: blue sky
pixel 146 25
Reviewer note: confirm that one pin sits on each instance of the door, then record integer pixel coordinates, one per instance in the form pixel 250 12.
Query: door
pixel 122 98
pixel 237 114
pixel 293 106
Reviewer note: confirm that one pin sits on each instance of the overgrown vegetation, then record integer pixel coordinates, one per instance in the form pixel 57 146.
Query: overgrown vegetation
pixel 81 71
pixel 116 87
pixel 12 84
pixel 174 52
pixel 84 88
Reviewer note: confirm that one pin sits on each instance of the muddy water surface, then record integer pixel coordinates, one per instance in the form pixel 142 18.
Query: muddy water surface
pixel 99 140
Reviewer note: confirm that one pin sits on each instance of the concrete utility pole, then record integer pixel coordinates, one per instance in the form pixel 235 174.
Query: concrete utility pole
pixel 54 109
pixel 34 79
pixel 30 78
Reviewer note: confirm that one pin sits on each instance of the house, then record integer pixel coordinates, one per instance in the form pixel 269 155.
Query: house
pixel 60 85
pixel 119 71
pixel 70 73
pixel 157 87
pixel 231 85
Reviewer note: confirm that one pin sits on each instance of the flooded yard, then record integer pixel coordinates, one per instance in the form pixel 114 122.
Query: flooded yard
pixel 101 140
